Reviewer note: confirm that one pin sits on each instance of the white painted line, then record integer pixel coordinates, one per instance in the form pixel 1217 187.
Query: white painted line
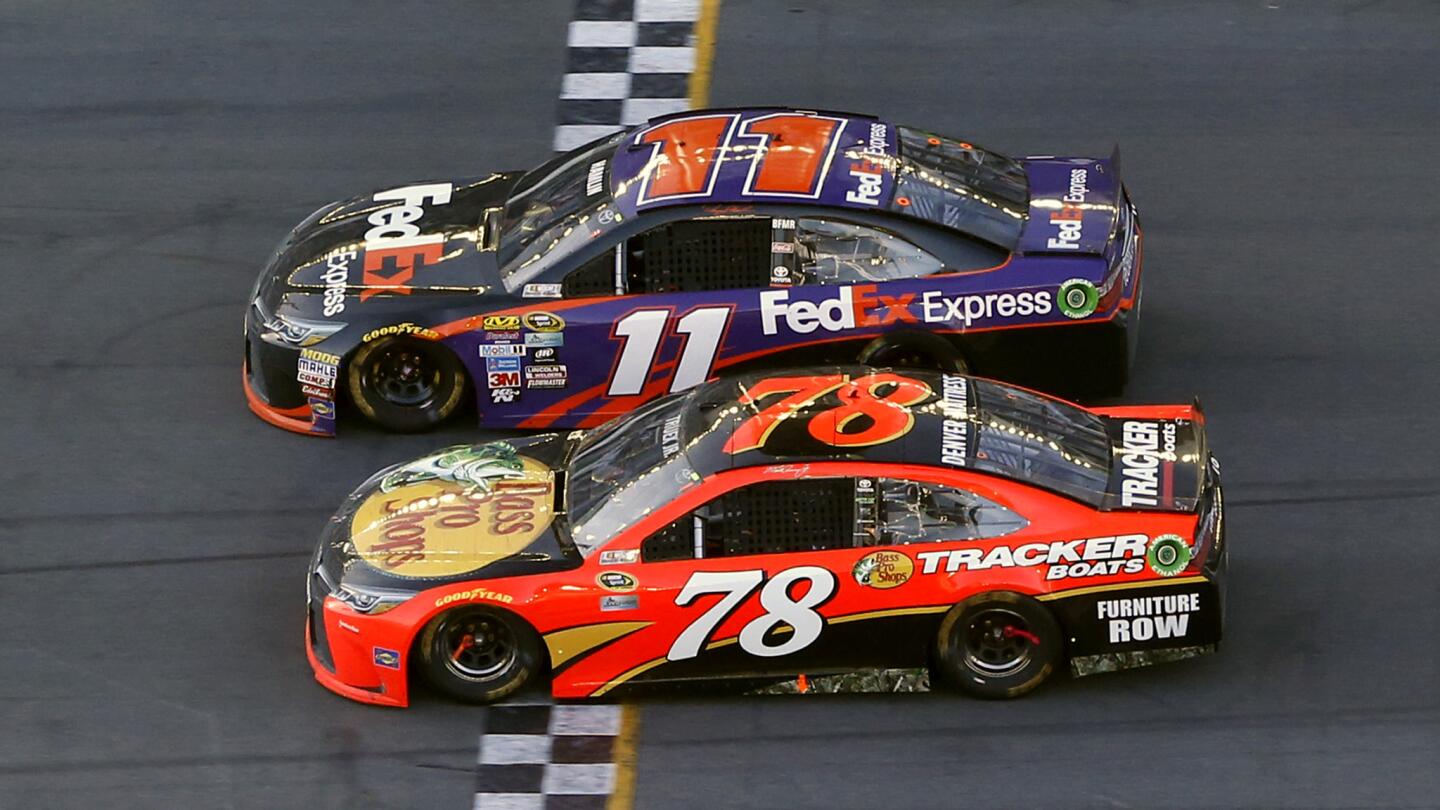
pixel 569 136
pixel 640 110
pixel 662 60
pixel 589 720
pixel 601 34
pixel 595 85
pixel 509 801
pixel 667 10
pixel 512 749
pixel 575 779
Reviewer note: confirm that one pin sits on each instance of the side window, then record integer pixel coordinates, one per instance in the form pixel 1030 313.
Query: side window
pixel 595 277
pixel 921 512
pixel 830 252
pixel 766 518
pixel 700 255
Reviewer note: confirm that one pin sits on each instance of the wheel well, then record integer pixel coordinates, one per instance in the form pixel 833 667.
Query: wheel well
pixel 413 649
pixel 946 355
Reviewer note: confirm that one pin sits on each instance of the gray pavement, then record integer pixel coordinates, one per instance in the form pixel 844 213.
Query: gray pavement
pixel 154 531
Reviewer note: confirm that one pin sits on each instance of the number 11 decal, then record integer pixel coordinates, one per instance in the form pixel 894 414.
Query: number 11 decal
pixel 641 332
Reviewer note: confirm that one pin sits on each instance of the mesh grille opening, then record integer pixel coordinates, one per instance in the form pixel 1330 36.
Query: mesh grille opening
pixel 595 277
pixel 703 255
pixel 780 516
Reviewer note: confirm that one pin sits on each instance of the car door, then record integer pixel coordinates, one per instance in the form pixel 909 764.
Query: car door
pixel 748 575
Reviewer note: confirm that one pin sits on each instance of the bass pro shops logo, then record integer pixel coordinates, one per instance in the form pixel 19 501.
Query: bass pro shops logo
pixel 394 246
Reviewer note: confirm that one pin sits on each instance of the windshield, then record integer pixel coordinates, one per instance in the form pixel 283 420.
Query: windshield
pixel 961 186
pixel 549 204
pixel 1042 441
pixel 625 470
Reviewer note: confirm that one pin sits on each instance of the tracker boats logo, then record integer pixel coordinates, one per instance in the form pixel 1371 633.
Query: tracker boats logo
pixel 1071 216
pixel 394 246
pixel 1064 559
pixel 1145 447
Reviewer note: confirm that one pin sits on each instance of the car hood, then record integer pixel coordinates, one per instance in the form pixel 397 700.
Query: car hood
pixel 467 512
pixel 425 238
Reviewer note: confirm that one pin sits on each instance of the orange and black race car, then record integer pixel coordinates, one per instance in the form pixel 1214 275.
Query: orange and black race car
pixel 826 520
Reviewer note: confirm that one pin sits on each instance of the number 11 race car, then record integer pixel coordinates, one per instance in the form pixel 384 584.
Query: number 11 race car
pixel 757 526
pixel 710 242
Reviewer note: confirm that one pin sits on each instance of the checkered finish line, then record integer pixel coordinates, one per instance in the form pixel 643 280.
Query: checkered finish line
pixel 628 61
pixel 548 757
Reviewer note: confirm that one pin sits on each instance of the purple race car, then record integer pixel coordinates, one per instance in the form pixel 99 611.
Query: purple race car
pixel 699 244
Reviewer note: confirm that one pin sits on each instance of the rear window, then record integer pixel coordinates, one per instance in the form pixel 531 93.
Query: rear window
pixel 961 186
pixel 1042 441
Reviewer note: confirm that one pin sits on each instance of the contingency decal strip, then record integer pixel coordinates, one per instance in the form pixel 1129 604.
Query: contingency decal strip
pixel 533 755
pixel 630 61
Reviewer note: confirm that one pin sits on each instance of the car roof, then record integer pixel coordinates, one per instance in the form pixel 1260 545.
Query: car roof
pixel 836 159
pixel 895 416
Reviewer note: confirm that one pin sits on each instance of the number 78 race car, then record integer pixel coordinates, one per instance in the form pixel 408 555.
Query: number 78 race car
pixel 701 244
pixel 817 522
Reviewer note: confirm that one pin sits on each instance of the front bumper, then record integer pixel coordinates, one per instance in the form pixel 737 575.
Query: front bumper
pixel 273 390
pixel 344 660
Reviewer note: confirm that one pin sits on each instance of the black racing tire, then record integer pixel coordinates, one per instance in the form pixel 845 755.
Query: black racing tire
pixel 479 654
pixel 404 384
pixel 978 651
pixel 927 352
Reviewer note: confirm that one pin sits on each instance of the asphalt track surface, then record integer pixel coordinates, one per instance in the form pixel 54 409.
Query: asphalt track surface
pixel 154 532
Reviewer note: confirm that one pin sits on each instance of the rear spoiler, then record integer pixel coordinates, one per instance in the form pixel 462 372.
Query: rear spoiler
pixel 1073 204
pixel 1158 457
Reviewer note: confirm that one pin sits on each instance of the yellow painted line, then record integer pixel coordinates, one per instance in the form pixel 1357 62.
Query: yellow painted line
pixel 1120 587
pixel 704 53
pixel 625 755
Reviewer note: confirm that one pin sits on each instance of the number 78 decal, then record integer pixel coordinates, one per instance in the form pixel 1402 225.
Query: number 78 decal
pixel 641 332
pixel 780 610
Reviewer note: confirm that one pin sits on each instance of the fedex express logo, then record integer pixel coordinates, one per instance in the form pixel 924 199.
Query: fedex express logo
pixel 394 246
pixel 860 306
pixel 869 170
pixel 1071 214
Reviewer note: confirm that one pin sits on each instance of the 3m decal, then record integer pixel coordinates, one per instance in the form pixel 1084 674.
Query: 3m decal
pixel 1144 618
pixel 394 246
pixel 502 379
pixel 887 416
pixel 780 607
pixel 640 333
